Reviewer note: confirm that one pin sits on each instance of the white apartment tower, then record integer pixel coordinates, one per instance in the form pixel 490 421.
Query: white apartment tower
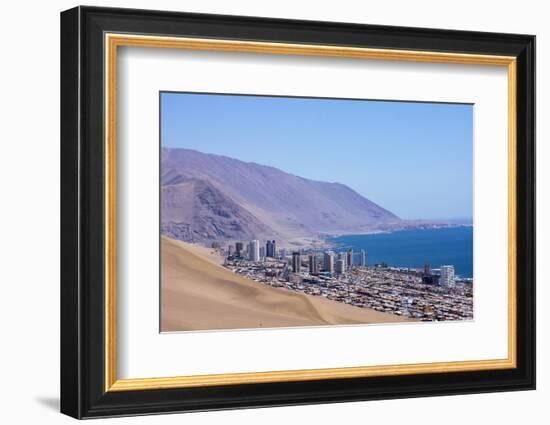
pixel 328 262
pixel 254 250
pixel 447 276
pixel 313 264
pixel 350 258
pixel 340 266
pixel 296 262
pixel 342 256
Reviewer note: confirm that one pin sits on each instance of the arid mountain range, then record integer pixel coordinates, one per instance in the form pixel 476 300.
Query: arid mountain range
pixel 207 198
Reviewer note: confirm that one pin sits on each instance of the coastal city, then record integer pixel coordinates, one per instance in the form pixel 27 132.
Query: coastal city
pixel 423 294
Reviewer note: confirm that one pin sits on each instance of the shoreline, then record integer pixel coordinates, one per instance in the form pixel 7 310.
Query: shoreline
pixel 399 258
pixel 404 229
pixel 320 243
pixel 320 240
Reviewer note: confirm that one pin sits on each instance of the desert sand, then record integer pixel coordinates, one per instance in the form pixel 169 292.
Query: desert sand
pixel 197 293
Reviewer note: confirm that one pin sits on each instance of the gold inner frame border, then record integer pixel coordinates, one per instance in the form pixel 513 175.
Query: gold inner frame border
pixel 113 40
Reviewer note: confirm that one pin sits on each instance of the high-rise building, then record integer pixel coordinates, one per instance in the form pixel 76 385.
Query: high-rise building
pixel 254 250
pixel 447 276
pixel 239 249
pixel 350 259
pixel 342 256
pixel 230 250
pixel 262 253
pixel 296 262
pixel 328 262
pixel 271 249
pixel 340 266
pixel 362 258
pixel 282 253
pixel 313 269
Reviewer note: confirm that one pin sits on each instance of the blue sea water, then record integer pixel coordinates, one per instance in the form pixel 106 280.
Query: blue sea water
pixel 414 248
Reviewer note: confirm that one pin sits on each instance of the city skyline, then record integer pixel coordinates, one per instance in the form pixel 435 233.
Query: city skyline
pixel 419 293
pixel 402 146
pixel 257 251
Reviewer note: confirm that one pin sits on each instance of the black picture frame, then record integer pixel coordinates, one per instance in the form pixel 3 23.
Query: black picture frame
pixel 83 392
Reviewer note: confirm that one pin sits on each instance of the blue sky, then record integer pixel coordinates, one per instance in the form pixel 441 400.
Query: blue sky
pixel 414 159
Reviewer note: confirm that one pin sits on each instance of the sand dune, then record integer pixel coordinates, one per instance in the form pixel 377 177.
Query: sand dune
pixel 198 294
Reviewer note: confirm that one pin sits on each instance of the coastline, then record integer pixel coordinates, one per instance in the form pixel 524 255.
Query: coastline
pixel 320 243
pixel 322 240
pixel 413 249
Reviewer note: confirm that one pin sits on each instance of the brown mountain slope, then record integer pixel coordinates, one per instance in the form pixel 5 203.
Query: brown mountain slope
pixel 194 210
pixel 286 204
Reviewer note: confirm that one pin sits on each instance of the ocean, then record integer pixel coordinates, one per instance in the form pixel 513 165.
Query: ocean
pixel 414 248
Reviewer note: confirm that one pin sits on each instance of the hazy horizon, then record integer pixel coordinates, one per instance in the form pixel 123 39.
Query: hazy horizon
pixel 414 159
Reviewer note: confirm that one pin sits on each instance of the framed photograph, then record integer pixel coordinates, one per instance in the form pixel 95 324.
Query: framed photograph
pixel 261 212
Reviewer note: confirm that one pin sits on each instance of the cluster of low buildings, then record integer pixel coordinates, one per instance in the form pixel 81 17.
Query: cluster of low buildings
pixel 425 294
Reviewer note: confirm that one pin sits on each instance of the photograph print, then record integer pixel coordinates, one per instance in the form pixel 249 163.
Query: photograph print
pixel 283 211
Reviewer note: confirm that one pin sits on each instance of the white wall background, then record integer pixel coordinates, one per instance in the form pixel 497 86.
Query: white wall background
pixel 29 217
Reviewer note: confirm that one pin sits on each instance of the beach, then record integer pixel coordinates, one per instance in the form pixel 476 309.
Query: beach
pixel 198 293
